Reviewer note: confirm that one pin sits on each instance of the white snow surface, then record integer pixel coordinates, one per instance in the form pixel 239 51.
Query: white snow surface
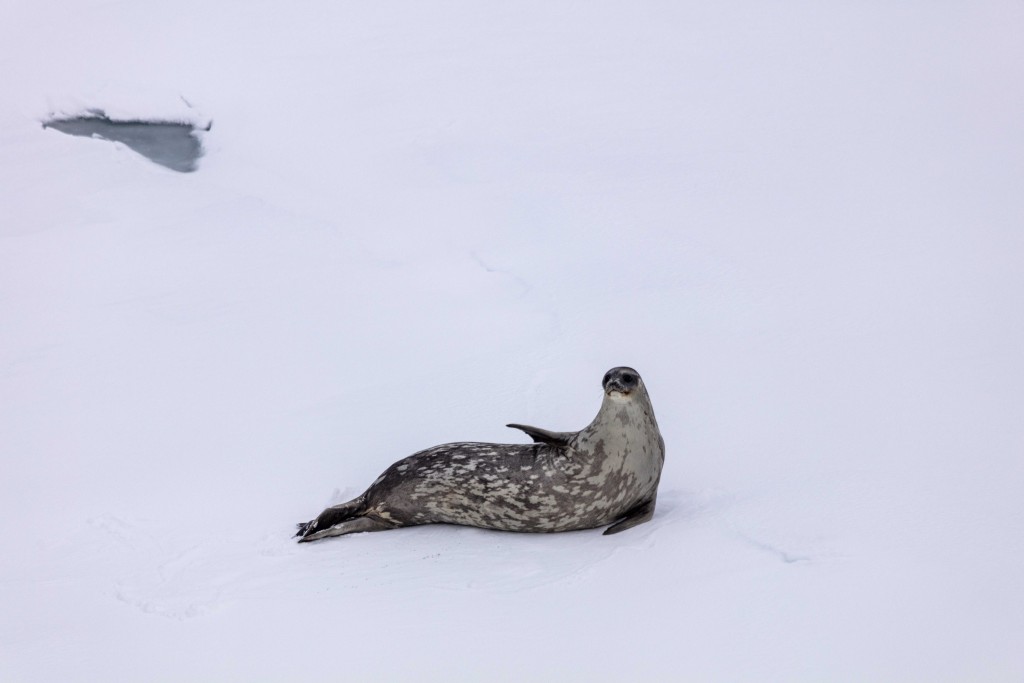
pixel 803 223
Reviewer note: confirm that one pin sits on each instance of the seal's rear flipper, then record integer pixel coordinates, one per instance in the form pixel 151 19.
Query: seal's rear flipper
pixel 331 516
pixel 638 515
pixel 544 436
pixel 351 526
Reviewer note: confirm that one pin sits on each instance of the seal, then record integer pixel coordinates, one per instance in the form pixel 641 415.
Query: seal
pixel 605 474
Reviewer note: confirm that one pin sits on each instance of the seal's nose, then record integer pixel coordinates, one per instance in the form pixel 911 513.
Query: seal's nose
pixel 616 384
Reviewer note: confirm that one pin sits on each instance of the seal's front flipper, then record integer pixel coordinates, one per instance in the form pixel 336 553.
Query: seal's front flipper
pixel 638 515
pixel 544 436
pixel 350 526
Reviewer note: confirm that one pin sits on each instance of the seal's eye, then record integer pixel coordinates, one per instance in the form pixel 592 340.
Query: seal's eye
pixel 629 379
pixel 607 376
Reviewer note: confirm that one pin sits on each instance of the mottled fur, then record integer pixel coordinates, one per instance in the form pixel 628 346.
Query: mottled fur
pixel 607 472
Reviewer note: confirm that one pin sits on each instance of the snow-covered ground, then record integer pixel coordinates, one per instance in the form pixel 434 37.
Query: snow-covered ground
pixel 417 221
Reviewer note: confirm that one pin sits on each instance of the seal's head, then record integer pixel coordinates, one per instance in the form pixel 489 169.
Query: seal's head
pixel 621 382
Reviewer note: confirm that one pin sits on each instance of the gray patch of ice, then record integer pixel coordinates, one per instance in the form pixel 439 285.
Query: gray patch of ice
pixel 172 144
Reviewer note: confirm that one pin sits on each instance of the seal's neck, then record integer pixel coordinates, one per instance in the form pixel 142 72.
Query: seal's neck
pixel 632 410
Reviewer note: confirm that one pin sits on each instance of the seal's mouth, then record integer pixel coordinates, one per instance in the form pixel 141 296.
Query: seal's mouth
pixel 618 391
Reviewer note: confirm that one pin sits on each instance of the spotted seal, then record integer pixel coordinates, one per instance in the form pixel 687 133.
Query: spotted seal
pixel 605 474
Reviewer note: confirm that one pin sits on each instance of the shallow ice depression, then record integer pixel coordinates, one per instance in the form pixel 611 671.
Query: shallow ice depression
pixel 172 144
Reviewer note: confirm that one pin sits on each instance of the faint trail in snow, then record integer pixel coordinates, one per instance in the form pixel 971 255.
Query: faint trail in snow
pixel 26 358
pixel 516 278
pixel 130 535
pixel 788 558
pixel 539 301
pixel 766 522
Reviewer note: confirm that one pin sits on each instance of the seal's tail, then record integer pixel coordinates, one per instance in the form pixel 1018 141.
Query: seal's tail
pixel 330 517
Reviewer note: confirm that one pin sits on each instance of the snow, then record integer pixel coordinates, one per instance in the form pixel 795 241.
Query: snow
pixel 417 222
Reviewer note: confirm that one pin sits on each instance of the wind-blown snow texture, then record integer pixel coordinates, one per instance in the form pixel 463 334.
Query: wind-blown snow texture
pixel 418 221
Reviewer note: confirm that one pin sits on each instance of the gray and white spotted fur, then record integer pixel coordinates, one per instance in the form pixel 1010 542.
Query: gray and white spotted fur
pixel 606 473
